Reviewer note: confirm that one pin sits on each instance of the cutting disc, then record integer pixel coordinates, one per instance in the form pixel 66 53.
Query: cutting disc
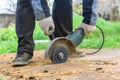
pixel 59 50
pixel 59 55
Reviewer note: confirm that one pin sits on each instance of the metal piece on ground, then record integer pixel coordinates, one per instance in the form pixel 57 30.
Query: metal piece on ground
pixel 81 54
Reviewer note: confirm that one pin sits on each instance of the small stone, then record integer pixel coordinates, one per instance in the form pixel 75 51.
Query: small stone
pixel 58 79
pixel 32 78
pixel 7 73
pixel 8 62
pixel 45 71
pixel 3 55
pixel 21 76
pixel 40 79
pixel 11 57
pixel 97 69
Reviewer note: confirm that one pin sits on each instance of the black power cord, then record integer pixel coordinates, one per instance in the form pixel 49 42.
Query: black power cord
pixel 103 40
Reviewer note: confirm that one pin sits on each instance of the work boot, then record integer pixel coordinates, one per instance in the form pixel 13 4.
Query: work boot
pixel 21 59
pixel 81 54
pixel 47 25
pixel 87 28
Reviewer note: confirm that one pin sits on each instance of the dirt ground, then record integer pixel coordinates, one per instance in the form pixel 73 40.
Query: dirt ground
pixel 105 65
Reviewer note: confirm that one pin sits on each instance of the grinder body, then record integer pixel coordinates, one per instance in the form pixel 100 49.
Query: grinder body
pixel 76 37
pixel 61 48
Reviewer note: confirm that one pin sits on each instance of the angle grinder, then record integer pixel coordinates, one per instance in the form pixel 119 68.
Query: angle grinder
pixel 61 48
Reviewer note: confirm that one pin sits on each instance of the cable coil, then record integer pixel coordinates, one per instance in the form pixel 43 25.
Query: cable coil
pixel 103 41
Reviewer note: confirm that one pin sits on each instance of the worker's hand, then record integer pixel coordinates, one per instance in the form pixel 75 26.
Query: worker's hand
pixel 87 28
pixel 47 25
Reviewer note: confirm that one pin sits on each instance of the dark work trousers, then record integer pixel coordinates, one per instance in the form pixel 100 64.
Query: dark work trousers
pixel 90 11
pixel 62 16
pixel 25 22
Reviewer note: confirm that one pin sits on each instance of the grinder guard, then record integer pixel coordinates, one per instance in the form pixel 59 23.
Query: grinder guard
pixel 58 42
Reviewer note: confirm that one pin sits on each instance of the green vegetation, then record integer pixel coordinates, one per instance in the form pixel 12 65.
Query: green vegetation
pixel 94 40
pixel 8 38
pixel 1 79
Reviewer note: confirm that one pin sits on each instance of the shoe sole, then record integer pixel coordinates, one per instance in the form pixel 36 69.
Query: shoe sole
pixel 19 63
